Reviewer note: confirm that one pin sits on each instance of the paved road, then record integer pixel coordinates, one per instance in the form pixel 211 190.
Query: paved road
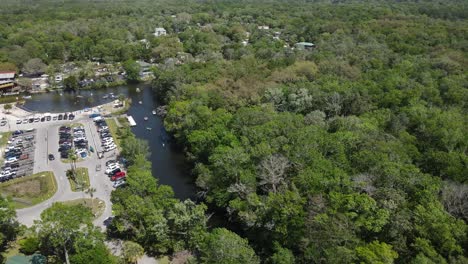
pixel 47 142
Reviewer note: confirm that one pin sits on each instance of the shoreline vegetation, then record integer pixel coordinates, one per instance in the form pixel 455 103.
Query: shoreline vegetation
pixel 322 132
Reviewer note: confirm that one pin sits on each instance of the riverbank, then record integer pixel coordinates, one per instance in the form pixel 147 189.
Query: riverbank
pixel 18 112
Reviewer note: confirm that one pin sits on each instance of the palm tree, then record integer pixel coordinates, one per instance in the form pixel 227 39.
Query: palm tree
pixel 91 192
pixel 132 251
pixel 7 108
pixel 72 156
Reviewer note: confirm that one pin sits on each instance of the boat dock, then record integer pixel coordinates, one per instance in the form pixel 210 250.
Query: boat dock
pixel 131 121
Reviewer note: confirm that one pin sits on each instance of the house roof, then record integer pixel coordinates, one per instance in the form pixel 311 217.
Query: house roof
pixel 160 29
pixel 7 74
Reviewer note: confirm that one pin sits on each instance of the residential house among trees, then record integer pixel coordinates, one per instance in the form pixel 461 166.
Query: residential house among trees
pixel 7 81
pixel 159 32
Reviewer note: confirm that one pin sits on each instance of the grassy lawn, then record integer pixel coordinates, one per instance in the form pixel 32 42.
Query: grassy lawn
pixel 82 180
pixel 72 125
pixel 4 139
pixel 97 206
pixel 30 190
pixel 3 142
pixel 123 121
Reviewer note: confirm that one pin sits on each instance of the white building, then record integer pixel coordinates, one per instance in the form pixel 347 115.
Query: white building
pixel 159 32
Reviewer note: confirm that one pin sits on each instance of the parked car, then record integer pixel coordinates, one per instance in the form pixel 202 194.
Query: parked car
pixel 110 148
pixel 71 116
pixel 51 157
pixel 60 117
pixel 19 121
pixel 112 167
pixel 11 159
pixel 118 176
pixel 110 162
pixel 112 172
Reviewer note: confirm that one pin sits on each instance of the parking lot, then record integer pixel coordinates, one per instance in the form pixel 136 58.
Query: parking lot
pixel 19 155
pixel 72 138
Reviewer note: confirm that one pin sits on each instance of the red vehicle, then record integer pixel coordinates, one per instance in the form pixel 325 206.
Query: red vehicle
pixel 24 156
pixel 118 175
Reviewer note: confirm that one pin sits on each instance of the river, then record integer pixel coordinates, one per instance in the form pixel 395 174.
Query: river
pixel 168 163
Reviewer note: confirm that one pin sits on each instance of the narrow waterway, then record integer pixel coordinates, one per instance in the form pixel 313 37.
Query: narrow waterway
pixel 169 166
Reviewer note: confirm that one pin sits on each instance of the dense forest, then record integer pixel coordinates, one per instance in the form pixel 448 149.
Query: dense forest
pixel 354 151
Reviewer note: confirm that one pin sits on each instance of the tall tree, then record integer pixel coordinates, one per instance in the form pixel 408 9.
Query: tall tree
pixel 224 246
pixel 61 226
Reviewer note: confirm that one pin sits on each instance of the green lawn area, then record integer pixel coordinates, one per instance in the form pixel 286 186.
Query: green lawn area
pixel 3 141
pixel 97 206
pixel 72 125
pixel 123 121
pixel 81 182
pixel 30 190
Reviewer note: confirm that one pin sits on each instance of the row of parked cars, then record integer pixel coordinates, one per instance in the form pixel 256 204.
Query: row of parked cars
pixel 115 173
pixel 72 137
pixel 107 141
pixel 19 155
pixel 43 118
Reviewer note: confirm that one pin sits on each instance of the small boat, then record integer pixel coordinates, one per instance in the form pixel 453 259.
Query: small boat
pixel 79 96
pixel 163 144
pixel 61 94
pixel 145 118
pixel 148 128
pixel 27 97
pixel 105 96
pixel 154 112
pixel 137 90
pixel 140 102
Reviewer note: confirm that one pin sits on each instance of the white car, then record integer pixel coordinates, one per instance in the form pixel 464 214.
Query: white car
pixel 11 160
pixel 109 171
pixel 113 166
pixel 108 143
pixel 107 140
pixel 119 183
pixel 107 149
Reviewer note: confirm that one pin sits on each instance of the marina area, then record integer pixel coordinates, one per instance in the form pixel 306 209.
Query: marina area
pixel 169 165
